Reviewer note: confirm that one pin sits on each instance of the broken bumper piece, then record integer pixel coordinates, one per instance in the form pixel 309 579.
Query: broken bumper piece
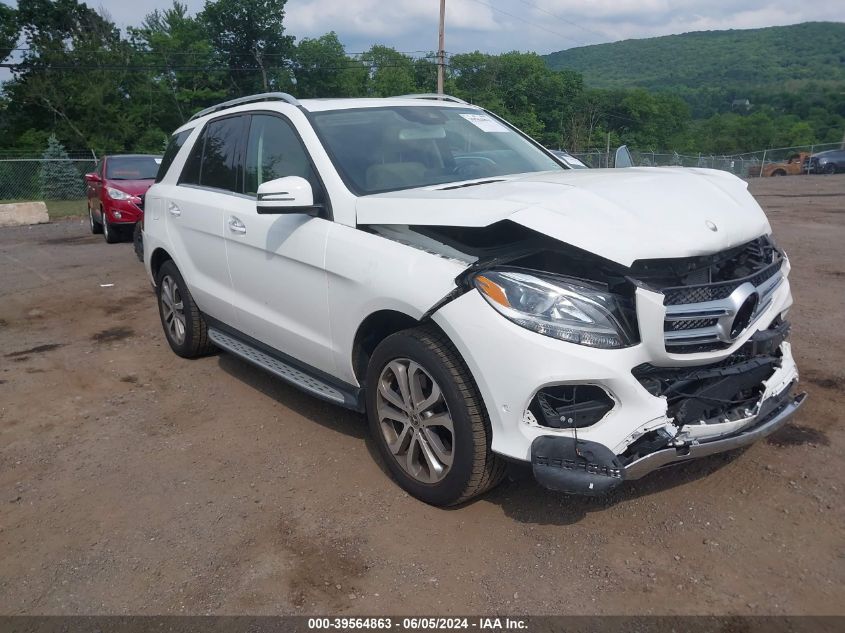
pixel 566 464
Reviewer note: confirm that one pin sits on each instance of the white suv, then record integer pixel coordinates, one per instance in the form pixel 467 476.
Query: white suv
pixel 420 259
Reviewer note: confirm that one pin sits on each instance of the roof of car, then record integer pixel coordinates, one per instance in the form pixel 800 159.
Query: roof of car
pixel 132 156
pixel 322 105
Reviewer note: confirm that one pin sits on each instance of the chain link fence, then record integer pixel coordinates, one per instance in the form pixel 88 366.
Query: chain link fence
pixel 28 179
pixel 749 165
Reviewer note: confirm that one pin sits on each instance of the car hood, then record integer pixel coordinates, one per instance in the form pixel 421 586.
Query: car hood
pixel 132 187
pixel 620 214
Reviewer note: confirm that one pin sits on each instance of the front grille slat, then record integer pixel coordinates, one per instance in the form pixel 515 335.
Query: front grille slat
pixel 691 324
pixel 703 293
pixel 698 315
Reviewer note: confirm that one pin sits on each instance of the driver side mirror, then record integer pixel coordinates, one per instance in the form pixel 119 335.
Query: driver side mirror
pixel 291 194
pixel 92 177
pixel 623 158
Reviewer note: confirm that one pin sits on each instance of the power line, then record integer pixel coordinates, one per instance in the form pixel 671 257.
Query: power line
pixel 428 53
pixel 529 22
pixel 562 19
pixel 136 68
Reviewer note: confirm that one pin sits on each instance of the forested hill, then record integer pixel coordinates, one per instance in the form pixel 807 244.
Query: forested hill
pixel 780 57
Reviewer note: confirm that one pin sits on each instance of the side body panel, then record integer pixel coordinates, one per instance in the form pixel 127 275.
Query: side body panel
pixel 194 220
pixel 368 273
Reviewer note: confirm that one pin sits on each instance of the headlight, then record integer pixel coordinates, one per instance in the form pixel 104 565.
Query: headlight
pixel 117 194
pixel 554 306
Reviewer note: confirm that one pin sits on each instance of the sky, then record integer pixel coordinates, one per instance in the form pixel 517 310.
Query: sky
pixel 496 26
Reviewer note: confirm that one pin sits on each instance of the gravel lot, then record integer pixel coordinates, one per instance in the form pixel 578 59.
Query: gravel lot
pixel 135 482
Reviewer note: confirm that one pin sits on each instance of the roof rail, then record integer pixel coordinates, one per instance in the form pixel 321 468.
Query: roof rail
pixel 432 96
pixel 264 96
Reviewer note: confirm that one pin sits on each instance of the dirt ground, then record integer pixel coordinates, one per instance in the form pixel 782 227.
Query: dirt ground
pixel 135 482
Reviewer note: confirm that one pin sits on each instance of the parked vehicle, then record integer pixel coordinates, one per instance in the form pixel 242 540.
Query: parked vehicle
pixel 830 162
pixel 568 159
pixel 795 165
pixel 422 260
pixel 114 193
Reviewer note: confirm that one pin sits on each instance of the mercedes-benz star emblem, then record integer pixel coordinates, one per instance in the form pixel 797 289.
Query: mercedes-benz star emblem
pixel 711 225
pixel 744 314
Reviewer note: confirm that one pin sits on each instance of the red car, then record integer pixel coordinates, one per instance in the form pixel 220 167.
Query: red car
pixel 114 193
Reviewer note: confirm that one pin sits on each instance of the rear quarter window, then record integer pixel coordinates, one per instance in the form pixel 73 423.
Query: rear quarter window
pixel 173 146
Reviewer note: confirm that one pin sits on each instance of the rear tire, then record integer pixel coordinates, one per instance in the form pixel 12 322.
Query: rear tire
pixel 430 462
pixel 830 169
pixel 184 327
pixel 779 172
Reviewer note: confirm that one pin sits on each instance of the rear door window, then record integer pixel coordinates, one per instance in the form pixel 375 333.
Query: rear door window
pixel 220 156
pixel 215 156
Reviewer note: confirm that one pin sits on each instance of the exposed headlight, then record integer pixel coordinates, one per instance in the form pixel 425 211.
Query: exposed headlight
pixel 554 306
pixel 117 194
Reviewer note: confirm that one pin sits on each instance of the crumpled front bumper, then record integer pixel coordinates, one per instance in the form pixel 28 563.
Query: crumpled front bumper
pixel 781 412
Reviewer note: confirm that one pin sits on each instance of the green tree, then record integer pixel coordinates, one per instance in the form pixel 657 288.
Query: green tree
pixel 322 69
pixel 391 72
pixel 179 50
pixel 9 30
pixel 75 79
pixel 249 36
pixel 59 178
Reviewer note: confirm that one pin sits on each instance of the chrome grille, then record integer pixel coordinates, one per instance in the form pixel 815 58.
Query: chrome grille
pixel 703 318
pixel 701 293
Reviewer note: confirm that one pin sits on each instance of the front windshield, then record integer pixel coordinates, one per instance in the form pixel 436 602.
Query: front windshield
pixel 401 147
pixel 132 167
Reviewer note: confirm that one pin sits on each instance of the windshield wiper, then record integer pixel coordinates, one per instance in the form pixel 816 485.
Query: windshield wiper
pixel 471 184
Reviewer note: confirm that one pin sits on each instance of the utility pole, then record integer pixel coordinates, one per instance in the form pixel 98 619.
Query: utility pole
pixel 441 53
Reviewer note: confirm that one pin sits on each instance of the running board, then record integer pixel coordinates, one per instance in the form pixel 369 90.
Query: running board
pixel 297 377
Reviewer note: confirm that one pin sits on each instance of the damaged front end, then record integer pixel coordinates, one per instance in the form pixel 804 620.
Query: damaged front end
pixel 703 338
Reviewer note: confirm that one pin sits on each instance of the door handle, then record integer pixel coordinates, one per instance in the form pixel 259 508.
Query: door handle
pixel 173 209
pixel 236 226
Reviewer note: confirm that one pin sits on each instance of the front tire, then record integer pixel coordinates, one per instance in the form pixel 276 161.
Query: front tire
pixel 109 232
pixel 830 169
pixel 138 242
pixel 428 419
pixel 184 327
pixel 96 227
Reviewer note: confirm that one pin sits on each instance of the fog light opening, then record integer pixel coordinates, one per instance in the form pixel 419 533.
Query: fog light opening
pixel 570 406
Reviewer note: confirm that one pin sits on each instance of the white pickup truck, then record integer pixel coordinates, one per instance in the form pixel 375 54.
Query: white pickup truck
pixel 419 259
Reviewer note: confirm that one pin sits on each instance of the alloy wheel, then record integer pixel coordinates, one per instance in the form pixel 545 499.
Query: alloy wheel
pixel 173 310
pixel 415 421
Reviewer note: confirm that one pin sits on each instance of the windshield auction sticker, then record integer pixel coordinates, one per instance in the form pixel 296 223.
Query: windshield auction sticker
pixel 485 123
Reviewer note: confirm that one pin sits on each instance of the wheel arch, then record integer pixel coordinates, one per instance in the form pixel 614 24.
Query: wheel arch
pixel 157 259
pixel 376 327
